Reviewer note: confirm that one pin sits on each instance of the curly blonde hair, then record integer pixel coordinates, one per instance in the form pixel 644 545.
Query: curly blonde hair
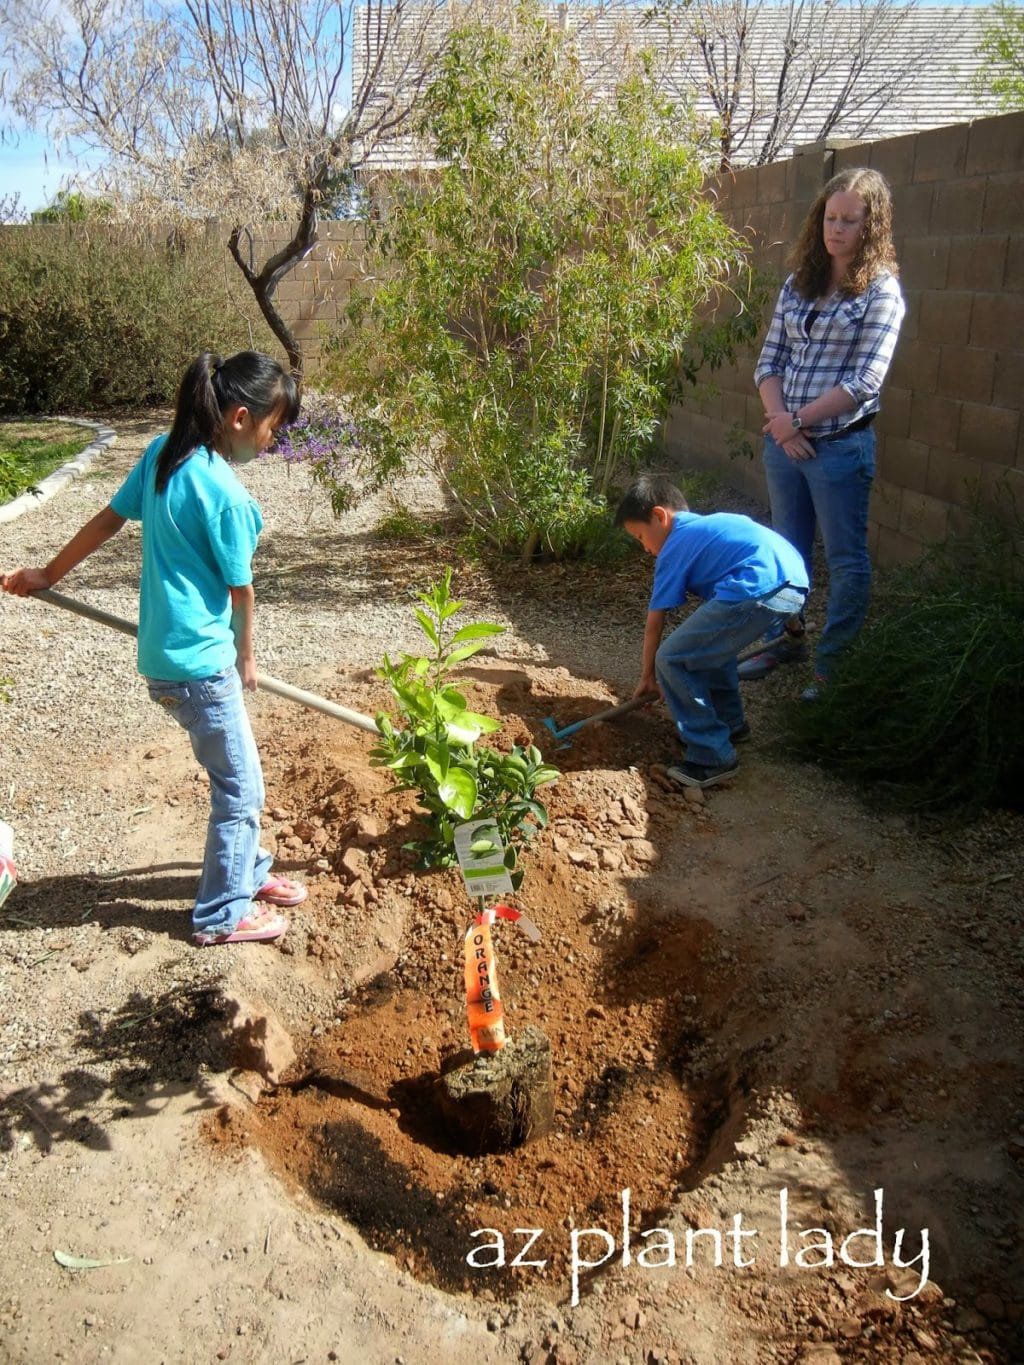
pixel 811 263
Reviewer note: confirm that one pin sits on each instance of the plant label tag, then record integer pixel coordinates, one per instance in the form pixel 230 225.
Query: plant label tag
pixel 481 854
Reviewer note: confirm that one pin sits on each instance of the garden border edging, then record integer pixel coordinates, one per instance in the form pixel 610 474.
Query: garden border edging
pixel 53 483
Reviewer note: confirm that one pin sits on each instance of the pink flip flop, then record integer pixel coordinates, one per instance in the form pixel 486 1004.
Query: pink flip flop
pixel 259 927
pixel 281 891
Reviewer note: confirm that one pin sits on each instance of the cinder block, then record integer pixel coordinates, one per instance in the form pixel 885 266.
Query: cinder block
pixel 846 158
pixel 771 183
pixel 967 372
pixel 904 463
pixel 896 549
pixel 1001 211
pixel 923 518
pixel 1013 277
pixel 978 262
pixel 924 262
pixel 894 158
pixel 886 499
pixel 995 144
pixel 958 206
pixel 708 401
pixel 910 329
pixel 756 226
pixel 782 222
pixel 997 320
pixel 1002 492
pixel 734 409
pixel 935 421
pixel 755 417
pixel 1008 381
pixel 812 170
pixel 912 209
pixel 915 366
pixel 945 316
pixel 988 433
pixel 742 186
pixel 941 153
pixel 895 415
pixel 952 477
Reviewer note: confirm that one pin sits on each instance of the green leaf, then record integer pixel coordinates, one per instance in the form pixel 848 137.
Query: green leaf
pixel 480 630
pixel 458 792
pixel 70 1262
pixel 428 627
pixel 462 730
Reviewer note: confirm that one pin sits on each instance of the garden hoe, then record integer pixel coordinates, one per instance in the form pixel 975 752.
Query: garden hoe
pixel 609 713
pixel 263 680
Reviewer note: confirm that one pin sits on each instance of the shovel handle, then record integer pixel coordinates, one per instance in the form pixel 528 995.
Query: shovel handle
pixel 263 680
pixel 609 713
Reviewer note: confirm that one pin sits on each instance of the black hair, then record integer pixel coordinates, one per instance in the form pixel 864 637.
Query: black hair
pixel 210 389
pixel 645 494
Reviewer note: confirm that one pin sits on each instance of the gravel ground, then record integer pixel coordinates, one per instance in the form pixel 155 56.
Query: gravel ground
pixel 103 1067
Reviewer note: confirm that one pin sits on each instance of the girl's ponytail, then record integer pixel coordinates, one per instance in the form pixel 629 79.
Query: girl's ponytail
pixel 212 387
pixel 196 417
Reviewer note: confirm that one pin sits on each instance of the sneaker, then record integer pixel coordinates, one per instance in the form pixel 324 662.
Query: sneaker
pixel 787 649
pixel 701 775
pixel 740 735
pixel 813 692
pixel 258 926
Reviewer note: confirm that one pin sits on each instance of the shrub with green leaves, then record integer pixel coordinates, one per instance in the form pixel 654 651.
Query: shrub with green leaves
pixel 431 745
pixel 531 307
pixel 93 317
pixel 928 706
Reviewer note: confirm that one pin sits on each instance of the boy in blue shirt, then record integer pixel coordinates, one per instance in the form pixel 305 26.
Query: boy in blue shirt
pixel 749 578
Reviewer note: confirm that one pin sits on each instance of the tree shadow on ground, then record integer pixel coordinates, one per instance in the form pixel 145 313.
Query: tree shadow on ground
pixel 132 1062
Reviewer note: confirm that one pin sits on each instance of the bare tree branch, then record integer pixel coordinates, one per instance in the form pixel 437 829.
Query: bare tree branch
pixel 217 109
pixel 770 73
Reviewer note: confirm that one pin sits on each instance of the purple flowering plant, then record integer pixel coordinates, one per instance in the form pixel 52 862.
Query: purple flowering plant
pixel 328 443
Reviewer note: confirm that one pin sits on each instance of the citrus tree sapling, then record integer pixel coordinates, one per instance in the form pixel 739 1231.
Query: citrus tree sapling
pixel 431 745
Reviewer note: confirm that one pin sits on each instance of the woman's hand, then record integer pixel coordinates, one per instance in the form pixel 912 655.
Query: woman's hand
pixel 780 428
pixel 22 582
pixel 799 448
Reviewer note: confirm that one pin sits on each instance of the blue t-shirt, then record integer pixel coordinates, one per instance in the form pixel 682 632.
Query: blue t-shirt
pixel 198 539
pixel 725 556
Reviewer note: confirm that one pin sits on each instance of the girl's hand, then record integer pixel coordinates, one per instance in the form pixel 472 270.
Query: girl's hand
pixel 21 581
pixel 246 666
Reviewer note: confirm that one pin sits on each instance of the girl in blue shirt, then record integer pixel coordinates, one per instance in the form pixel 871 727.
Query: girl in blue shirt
pixel 195 645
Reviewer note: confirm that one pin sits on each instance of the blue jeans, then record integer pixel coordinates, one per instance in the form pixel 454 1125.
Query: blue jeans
pixel 696 670
pixel 212 712
pixel 831 491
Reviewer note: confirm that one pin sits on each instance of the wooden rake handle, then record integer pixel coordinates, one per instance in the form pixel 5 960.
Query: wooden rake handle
pixel 263 680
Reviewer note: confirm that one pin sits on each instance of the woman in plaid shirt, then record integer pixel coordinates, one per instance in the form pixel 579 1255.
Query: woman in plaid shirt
pixel 826 354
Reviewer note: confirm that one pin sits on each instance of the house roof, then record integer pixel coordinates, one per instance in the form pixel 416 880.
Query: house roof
pixel 902 69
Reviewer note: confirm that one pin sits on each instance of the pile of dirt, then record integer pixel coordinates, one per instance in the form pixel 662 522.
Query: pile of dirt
pixel 715 1006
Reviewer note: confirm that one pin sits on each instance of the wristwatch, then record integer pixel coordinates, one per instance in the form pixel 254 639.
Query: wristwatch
pixel 797 424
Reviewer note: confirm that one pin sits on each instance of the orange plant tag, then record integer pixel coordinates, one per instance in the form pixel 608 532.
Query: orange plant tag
pixel 483 1001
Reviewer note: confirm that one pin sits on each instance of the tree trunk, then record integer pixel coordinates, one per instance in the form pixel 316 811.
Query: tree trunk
pixel 264 282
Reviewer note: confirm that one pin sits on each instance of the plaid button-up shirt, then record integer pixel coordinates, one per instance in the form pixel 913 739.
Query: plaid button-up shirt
pixel 850 343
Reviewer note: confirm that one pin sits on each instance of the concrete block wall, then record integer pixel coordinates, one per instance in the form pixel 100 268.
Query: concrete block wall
pixel 950 429
pixel 318 288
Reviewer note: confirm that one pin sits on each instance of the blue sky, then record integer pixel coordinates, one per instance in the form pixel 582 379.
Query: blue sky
pixel 30 167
